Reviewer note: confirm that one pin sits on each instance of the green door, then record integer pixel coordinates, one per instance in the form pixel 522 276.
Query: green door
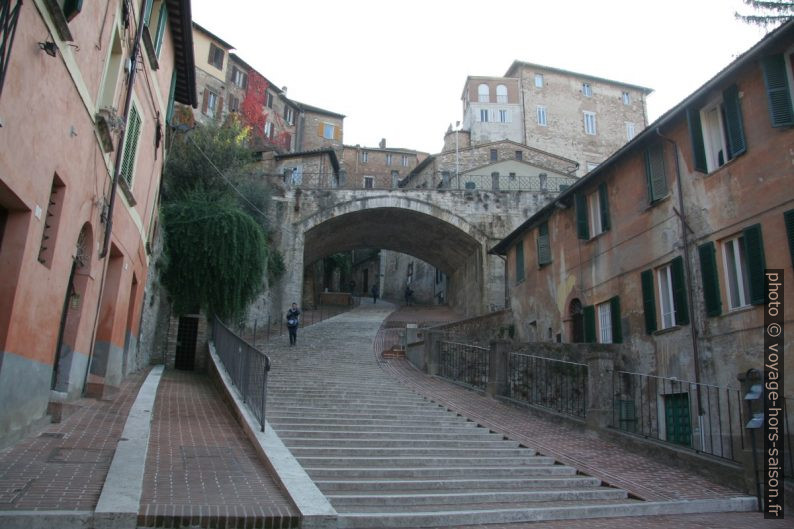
pixel 676 411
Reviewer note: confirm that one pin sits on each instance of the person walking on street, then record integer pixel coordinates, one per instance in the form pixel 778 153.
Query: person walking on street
pixel 293 319
pixel 408 295
pixel 375 292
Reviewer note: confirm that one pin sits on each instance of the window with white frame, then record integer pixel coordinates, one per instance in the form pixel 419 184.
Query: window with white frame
pixel 504 116
pixel 268 130
pixel 328 131
pixel 666 300
pixel 239 77
pixel 594 212
pixel 405 160
pixel 717 130
pixel 630 132
pixel 736 272
pixel 234 103
pixel 626 98
pixel 501 93
pixel 541 111
pixel 212 103
pixel 388 158
pixel 269 100
pixel 604 312
pixel 538 80
pixel 484 115
pixel 364 156
pixel 589 123
pixel 369 182
pixel 483 93
pixel 587 90
pixel 289 115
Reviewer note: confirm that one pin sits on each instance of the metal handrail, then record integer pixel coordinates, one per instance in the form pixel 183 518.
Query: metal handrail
pixel 247 367
pixel 550 383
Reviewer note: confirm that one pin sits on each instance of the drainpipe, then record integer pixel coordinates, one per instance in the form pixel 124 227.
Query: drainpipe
pixel 688 272
pixel 136 46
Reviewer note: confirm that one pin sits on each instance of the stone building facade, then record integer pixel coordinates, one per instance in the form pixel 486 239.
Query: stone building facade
pixel 77 225
pixel 663 247
pixel 212 68
pixel 575 115
pixel 378 168
pixel 492 109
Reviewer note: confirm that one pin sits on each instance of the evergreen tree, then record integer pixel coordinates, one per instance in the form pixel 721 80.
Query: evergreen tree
pixel 768 12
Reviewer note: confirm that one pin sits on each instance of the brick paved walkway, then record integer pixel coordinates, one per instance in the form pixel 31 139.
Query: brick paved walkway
pixel 63 467
pixel 201 468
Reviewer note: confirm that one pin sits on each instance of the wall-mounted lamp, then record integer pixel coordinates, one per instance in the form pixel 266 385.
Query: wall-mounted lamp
pixel 49 48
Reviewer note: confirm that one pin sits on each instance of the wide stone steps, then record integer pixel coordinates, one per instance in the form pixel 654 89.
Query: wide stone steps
pixel 459 434
pixel 407 461
pixel 406 451
pixel 404 423
pixel 395 485
pixel 301 442
pixel 424 498
pixel 543 467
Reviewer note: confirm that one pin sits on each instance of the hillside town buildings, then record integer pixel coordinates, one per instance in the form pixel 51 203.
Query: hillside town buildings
pixel 87 91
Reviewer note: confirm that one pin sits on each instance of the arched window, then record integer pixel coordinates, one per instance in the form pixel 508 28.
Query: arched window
pixel 501 93
pixel 483 93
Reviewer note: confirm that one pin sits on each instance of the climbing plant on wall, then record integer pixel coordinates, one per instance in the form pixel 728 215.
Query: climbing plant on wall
pixel 252 108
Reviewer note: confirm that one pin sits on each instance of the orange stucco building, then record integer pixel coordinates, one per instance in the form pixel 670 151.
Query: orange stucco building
pixel 71 282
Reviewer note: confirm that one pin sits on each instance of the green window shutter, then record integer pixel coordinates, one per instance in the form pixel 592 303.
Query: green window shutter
pixel 544 246
pixel 520 261
pixel 588 314
pixel 147 12
pixel 132 134
pixel 161 20
pixel 72 8
pixel 733 121
pixel 603 202
pixel 648 301
pixel 679 291
pixel 696 135
pixel 777 90
pixel 754 253
pixel 170 112
pixel 582 227
pixel 788 218
pixel 711 281
pixel 614 309
pixel 655 173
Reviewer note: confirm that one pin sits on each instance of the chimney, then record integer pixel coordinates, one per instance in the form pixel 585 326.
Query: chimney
pixel 382 143
pixel 284 89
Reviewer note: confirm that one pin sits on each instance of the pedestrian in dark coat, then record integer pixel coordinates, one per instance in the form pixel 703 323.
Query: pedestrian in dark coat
pixel 375 293
pixel 293 319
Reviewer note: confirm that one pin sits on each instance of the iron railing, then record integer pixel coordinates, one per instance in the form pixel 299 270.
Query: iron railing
pixel 549 383
pixel 276 326
pixel 247 367
pixel 464 363
pixel 9 16
pixel 666 409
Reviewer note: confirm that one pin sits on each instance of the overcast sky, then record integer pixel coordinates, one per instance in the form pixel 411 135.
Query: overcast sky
pixel 396 68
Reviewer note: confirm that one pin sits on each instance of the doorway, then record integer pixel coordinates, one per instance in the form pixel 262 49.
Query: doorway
pixel 186 338
pixel 577 321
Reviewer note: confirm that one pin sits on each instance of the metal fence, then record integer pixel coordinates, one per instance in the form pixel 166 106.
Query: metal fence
pixel 554 384
pixel 247 367
pixel 667 409
pixel 276 326
pixel 464 363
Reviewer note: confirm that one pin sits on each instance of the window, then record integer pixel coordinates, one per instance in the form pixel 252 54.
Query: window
pixel 369 182
pixel 483 94
pixel 269 100
pixel 519 155
pixel 541 110
pixel 778 93
pixel 717 131
pixel 289 115
pixel 544 247
pixel 162 18
pixel 210 103
pixel 501 93
pixel 589 123
pixel 405 160
pixel 395 178
pixel 736 273
pixel 672 301
pixel 364 156
pixel 239 78
pixel 131 136
pixel 538 80
pixel 388 158
pixel 602 322
pixel 592 213
pixel 328 131
pixel 630 133
pixel 484 115
pixel 234 103
pixel 655 173
pixel 216 56
pixel 494 155
pixel 710 279
pixel 51 219
pixel 268 130
pixel 587 90
pixel 504 116
pixel 519 261
pixel 626 97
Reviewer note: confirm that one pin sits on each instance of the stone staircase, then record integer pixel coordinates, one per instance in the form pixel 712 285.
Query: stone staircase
pixel 385 457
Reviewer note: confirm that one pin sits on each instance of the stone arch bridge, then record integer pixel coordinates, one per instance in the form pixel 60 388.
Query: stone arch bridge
pixel 449 229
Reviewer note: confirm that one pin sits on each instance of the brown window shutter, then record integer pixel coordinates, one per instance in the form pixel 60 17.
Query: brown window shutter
pixel 320 128
pixel 338 133
pixel 205 102
pixel 219 110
